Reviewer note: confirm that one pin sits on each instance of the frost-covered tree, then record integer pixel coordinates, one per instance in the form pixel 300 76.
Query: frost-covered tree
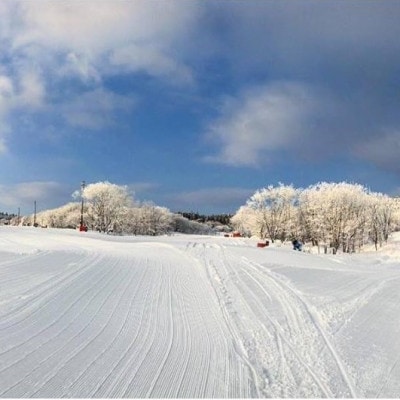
pixel 157 220
pixel 275 211
pixel 311 216
pixel 148 219
pixel 107 206
pixel 334 213
pixel 395 214
pixel 67 216
pixel 338 215
pixel 245 221
pixel 381 209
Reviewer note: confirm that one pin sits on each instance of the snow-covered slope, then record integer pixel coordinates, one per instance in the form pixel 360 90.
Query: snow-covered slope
pixel 89 315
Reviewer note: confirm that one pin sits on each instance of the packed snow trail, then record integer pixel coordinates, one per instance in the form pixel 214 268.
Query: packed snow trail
pixel 90 315
pixel 292 355
pixel 134 321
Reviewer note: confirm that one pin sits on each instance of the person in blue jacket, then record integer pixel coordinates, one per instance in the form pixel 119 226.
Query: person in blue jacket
pixel 297 245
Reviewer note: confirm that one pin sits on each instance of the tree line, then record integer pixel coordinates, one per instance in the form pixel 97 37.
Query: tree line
pixel 195 216
pixel 337 215
pixel 111 208
pixel 6 215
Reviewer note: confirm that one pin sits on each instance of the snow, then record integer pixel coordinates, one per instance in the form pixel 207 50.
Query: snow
pixel 91 315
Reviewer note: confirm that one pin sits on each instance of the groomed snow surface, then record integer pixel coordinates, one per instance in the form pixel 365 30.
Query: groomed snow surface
pixel 91 315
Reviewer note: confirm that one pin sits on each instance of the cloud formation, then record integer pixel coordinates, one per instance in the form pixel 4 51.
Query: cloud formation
pixel 24 91
pixel 48 45
pixel 261 121
pixel 304 121
pixel 89 36
pixel 23 195
pixel 338 67
pixel 95 109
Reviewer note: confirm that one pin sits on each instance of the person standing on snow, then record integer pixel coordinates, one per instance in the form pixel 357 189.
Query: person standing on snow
pixel 297 245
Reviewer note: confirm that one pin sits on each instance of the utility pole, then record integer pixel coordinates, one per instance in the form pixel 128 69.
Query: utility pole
pixel 82 226
pixel 19 216
pixel 34 214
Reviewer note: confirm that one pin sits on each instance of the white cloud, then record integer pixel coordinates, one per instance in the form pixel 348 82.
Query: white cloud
pixel 6 94
pixel 6 97
pixel 44 44
pixel 32 91
pixel 89 32
pixel 82 66
pixel 23 195
pixel 6 86
pixel 25 91
pixel 95 109
pixel 155 62
pixel 261 121
pixel 83 26
pixel 28 90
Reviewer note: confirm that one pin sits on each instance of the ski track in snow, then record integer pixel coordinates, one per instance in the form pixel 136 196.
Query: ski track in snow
pixel 278 323
pixel 86 315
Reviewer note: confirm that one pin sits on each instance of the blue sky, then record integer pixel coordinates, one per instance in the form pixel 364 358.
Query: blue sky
pixel 196 104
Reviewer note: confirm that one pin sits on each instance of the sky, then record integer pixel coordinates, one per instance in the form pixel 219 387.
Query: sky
pixel 194 105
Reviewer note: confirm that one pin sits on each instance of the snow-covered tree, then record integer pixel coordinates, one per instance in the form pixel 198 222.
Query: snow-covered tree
pixel 311 215
pixel 275 211
pixel 148 219
pixel 395 213
pixel 107 206
pixel 157 219
pixel 334 213
pixel 381 208
pixel 66 216
pixel 337 215
pixel 245 221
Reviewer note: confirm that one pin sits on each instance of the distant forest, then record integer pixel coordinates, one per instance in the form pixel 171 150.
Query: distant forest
pixel 4 215
pixel 5 218
pixel 194 216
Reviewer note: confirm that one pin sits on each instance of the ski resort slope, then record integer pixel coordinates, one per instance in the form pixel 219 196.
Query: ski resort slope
pixel 97 316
